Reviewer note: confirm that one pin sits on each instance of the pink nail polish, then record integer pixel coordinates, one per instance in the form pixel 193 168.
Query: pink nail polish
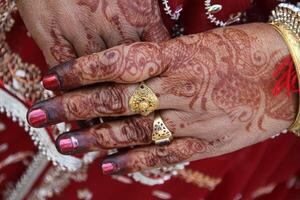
pixel 68 144
pixel 37 117
pixel 51 82
pixel 108 168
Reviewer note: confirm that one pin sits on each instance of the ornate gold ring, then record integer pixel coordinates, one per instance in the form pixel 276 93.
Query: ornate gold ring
pixel 143 101
pixel 161 134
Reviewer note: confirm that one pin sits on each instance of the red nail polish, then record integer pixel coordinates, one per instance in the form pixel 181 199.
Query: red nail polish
pixel 108 168
pixel 51 82
pixel 37 117
pixel 68 144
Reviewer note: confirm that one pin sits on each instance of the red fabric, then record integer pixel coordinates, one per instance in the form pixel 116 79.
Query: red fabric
pixel 242 172
pixel 286 77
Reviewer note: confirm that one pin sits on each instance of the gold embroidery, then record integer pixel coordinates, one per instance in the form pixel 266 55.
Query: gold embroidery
pixel 20 78
pixel 55 181
pixel 199 179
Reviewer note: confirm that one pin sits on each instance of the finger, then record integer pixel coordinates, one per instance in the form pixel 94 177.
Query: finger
pixel 156 32
pixel 122 64
pixel 87 42
pixel 121 34
pixel 143 158
pixel 48 35
pixel 57 49
pixel 102 101
pixel 114 28
pixel 117 134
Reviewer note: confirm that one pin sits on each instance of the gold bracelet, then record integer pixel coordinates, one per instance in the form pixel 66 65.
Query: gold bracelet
pixel 286 21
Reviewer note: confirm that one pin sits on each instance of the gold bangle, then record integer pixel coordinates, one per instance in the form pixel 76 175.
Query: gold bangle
pixel 286 19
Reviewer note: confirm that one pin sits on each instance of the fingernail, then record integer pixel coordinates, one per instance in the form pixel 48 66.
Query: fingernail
pixel 68 145
pixel 51 82
pixel 37 117
pixel 108 168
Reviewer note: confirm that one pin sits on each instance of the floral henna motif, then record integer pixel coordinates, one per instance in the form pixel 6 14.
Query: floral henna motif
pixel 126 63
pixel 99 67
pixel 242 92
pixel 140 59
pixel 228 68
pixel 248 59
pixel 194 64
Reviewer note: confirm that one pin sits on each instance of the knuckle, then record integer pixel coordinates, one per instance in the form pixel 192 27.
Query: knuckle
pixel 179 151
pixel 109 100
pixel 102 136
pixel 137 130
pixel 76 106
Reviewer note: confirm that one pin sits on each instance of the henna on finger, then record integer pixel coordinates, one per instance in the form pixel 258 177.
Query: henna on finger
pixel 143 158
pixel 105 100
pixel 61 50
pixel 117 134
pixel 123 64
pixel 108 100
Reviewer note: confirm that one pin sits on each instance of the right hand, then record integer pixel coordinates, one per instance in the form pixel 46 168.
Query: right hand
pixel 68 29
pixel 214 91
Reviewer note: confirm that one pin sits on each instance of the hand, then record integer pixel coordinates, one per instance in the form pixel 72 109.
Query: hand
pixel 73 28
pixel 214 91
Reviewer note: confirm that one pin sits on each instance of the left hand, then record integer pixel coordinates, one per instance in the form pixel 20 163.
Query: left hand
pixel 214 90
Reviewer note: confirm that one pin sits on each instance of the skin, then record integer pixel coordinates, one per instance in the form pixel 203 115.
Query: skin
pixel 214 90
pixel 69 29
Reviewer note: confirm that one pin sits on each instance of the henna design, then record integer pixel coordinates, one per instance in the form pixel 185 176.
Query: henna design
pixel 91 4
pixel 179 151
pixel 60 51
pixel 113 18
pixel 155 33
pixel 126 64
pixel 194 65
pixel 142 58
pixel 280 107
pixel 136 130
pixel 239 98
pixel 102 134
pixel 230 69
pixel 92 46
pixel 242 92
pixel 97 67
pixel 109 100
pixel 137 12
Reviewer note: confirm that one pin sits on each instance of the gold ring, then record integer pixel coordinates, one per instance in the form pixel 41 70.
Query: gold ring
pixel 161 134
pixel 143 101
